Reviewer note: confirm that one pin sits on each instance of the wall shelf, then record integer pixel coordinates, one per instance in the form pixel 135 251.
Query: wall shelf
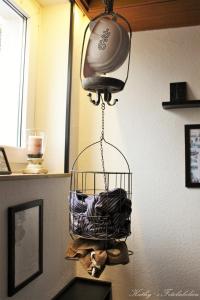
pixel 20 176
pixel 182 104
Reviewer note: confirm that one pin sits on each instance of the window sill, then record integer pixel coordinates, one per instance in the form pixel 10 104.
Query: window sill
pixel 16 176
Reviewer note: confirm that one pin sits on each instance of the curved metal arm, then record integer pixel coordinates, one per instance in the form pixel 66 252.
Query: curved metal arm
pixel 98 142
pixel 120 153
pixel 130 42
pixel 82 153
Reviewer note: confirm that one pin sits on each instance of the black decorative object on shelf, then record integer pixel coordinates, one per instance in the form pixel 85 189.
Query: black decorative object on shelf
pixel 178 97
pixel 178 91
pixel 86 289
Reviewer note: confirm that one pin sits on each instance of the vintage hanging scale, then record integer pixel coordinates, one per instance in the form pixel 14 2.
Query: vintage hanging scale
pixel 107 49
pixel 100 201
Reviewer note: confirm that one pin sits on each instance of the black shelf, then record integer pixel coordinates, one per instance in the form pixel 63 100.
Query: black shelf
pixel 85 289
pixel 181 104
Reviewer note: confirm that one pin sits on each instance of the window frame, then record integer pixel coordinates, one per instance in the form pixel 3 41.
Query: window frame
pixel 22 71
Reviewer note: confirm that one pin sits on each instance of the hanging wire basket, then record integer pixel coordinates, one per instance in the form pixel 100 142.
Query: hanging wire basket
pixel 96 213
pixel 100 201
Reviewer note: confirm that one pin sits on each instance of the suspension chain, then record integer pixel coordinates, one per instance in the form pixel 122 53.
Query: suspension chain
pixel 101 143
pixel 102 119
pixel 109 5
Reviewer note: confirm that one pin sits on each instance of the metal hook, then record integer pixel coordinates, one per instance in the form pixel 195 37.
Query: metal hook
pixel 114 102
pixel 108 98
pixel 95 102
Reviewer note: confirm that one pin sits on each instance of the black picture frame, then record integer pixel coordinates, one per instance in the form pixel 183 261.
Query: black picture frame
pixel 4 164
pixel 25 244
pixel 192 156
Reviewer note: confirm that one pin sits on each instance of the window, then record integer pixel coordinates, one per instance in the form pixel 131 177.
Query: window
pixel 13 26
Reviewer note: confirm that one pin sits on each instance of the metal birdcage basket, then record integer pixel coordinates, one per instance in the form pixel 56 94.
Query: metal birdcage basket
pixel 100 202
pixel 105 220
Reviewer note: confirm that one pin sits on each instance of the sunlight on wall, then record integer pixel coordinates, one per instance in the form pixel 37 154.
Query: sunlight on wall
pixel 52 82
pixel 80 22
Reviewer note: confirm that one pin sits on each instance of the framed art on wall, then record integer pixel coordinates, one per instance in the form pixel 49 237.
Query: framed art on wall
pixel 4 164
pixel 25 244
pixel 192 155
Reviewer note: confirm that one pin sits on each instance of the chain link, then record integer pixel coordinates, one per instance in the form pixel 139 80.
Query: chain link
pixel 101 143
pixel 109 5
pixel 102 119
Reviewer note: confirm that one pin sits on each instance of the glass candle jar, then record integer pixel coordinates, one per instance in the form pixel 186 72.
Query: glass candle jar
pixel 35 141
pixel 35 145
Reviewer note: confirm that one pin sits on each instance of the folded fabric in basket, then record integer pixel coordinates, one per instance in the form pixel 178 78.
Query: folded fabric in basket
pixel 101 216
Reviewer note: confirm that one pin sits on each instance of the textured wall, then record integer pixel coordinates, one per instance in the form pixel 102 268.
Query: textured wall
pixel 57 271
pixel 165 237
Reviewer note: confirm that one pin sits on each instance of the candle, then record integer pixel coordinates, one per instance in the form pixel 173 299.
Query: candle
pixel 34 146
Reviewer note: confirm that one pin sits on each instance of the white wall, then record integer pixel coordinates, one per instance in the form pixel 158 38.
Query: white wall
pixel 57 272
pixel 165 237
pixel 165 234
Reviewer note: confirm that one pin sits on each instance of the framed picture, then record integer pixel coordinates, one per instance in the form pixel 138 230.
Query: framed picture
pixel 192 155
pixel 4 165
pixel 25 244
